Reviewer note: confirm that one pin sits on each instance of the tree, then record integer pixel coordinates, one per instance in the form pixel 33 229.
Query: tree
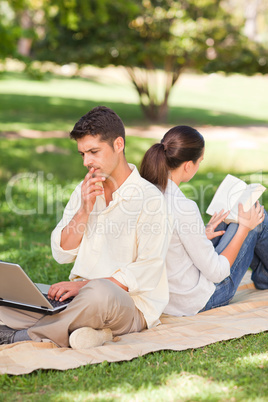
pixel 154 39
pixel 22 17
pixel 9 34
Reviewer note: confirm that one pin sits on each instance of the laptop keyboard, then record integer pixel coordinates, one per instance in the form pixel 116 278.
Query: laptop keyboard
pixel 57 303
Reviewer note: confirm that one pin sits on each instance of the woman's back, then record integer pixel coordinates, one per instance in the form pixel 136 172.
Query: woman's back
pixel 192 263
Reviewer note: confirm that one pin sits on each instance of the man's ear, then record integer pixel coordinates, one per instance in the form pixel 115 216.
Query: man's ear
pixel 119 144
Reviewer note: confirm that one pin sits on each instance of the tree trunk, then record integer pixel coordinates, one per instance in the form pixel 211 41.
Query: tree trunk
pixel 148 85
pixel 24 43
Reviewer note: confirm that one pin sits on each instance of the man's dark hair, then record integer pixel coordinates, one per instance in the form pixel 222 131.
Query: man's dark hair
pixel 100 121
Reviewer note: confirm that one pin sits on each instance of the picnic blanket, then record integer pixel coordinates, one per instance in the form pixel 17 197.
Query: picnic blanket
pixel 247 314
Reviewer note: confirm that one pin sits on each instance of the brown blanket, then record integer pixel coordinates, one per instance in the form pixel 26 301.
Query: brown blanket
pixel 248 314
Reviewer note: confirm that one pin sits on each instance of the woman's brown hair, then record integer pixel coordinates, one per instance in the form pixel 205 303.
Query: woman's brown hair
pixel 180 144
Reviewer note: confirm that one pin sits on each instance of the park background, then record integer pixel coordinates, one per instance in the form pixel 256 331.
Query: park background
pixel 157 64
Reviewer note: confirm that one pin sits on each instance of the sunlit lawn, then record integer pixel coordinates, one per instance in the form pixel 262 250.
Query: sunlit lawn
pixel 196 100
pixel 36 179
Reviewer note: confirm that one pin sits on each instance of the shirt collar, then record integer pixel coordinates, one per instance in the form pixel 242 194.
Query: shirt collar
pixel 173 188
pixel 126 190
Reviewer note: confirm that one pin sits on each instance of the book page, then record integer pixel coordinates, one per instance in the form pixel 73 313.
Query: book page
pixel 227 194
pixel 249 196
pixel 230 193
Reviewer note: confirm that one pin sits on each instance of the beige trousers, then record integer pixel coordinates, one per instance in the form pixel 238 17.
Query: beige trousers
pixel 99 304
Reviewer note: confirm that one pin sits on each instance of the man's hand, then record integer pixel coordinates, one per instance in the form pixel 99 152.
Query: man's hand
pixel 90 190
pixel 63 290
pixel 72 234
pixel 215 220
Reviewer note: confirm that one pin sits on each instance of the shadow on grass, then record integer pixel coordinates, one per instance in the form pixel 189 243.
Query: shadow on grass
pixel 58 113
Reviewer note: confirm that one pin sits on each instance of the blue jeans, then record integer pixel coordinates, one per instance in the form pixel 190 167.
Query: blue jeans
pixel 253 254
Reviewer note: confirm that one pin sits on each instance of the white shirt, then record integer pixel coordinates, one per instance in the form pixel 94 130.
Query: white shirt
pixel 193 265
pixel 126 240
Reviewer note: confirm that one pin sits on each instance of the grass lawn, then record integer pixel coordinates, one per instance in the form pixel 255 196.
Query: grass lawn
pixel 36 180
pixel 196 100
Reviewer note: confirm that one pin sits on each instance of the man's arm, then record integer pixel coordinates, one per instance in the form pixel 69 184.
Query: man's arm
pixel 72 234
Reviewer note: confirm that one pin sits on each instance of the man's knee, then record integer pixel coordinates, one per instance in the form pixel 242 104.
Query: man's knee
pixel 102 292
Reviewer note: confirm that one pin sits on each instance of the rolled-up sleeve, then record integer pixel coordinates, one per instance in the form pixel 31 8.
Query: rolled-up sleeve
pixel 60 255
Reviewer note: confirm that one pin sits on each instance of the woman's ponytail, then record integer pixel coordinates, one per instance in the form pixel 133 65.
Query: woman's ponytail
pixel 154 167
pixel 180 144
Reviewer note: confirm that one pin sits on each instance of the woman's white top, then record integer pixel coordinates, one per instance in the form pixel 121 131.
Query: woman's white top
pixel 193 265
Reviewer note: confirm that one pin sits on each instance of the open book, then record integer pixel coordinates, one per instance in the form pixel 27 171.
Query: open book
pixel 230 193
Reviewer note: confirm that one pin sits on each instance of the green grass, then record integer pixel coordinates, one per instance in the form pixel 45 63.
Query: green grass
pixel 227 371
pixel 223 156
pixel 218 100
pixel 235 370
pixel 57 102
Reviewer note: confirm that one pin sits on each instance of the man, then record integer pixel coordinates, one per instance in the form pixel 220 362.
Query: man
pixel 114 229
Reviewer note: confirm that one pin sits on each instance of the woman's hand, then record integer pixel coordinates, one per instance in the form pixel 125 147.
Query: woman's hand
pixel 252 218
pixel 214 222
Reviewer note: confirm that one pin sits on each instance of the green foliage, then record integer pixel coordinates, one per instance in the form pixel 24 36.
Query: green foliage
pixel 156 40
pixel 9 33
pixel 147 36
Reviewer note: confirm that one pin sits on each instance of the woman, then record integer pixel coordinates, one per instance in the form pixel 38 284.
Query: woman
pixel 204 265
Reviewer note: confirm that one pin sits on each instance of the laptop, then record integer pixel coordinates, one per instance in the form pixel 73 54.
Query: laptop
pixel 17 290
